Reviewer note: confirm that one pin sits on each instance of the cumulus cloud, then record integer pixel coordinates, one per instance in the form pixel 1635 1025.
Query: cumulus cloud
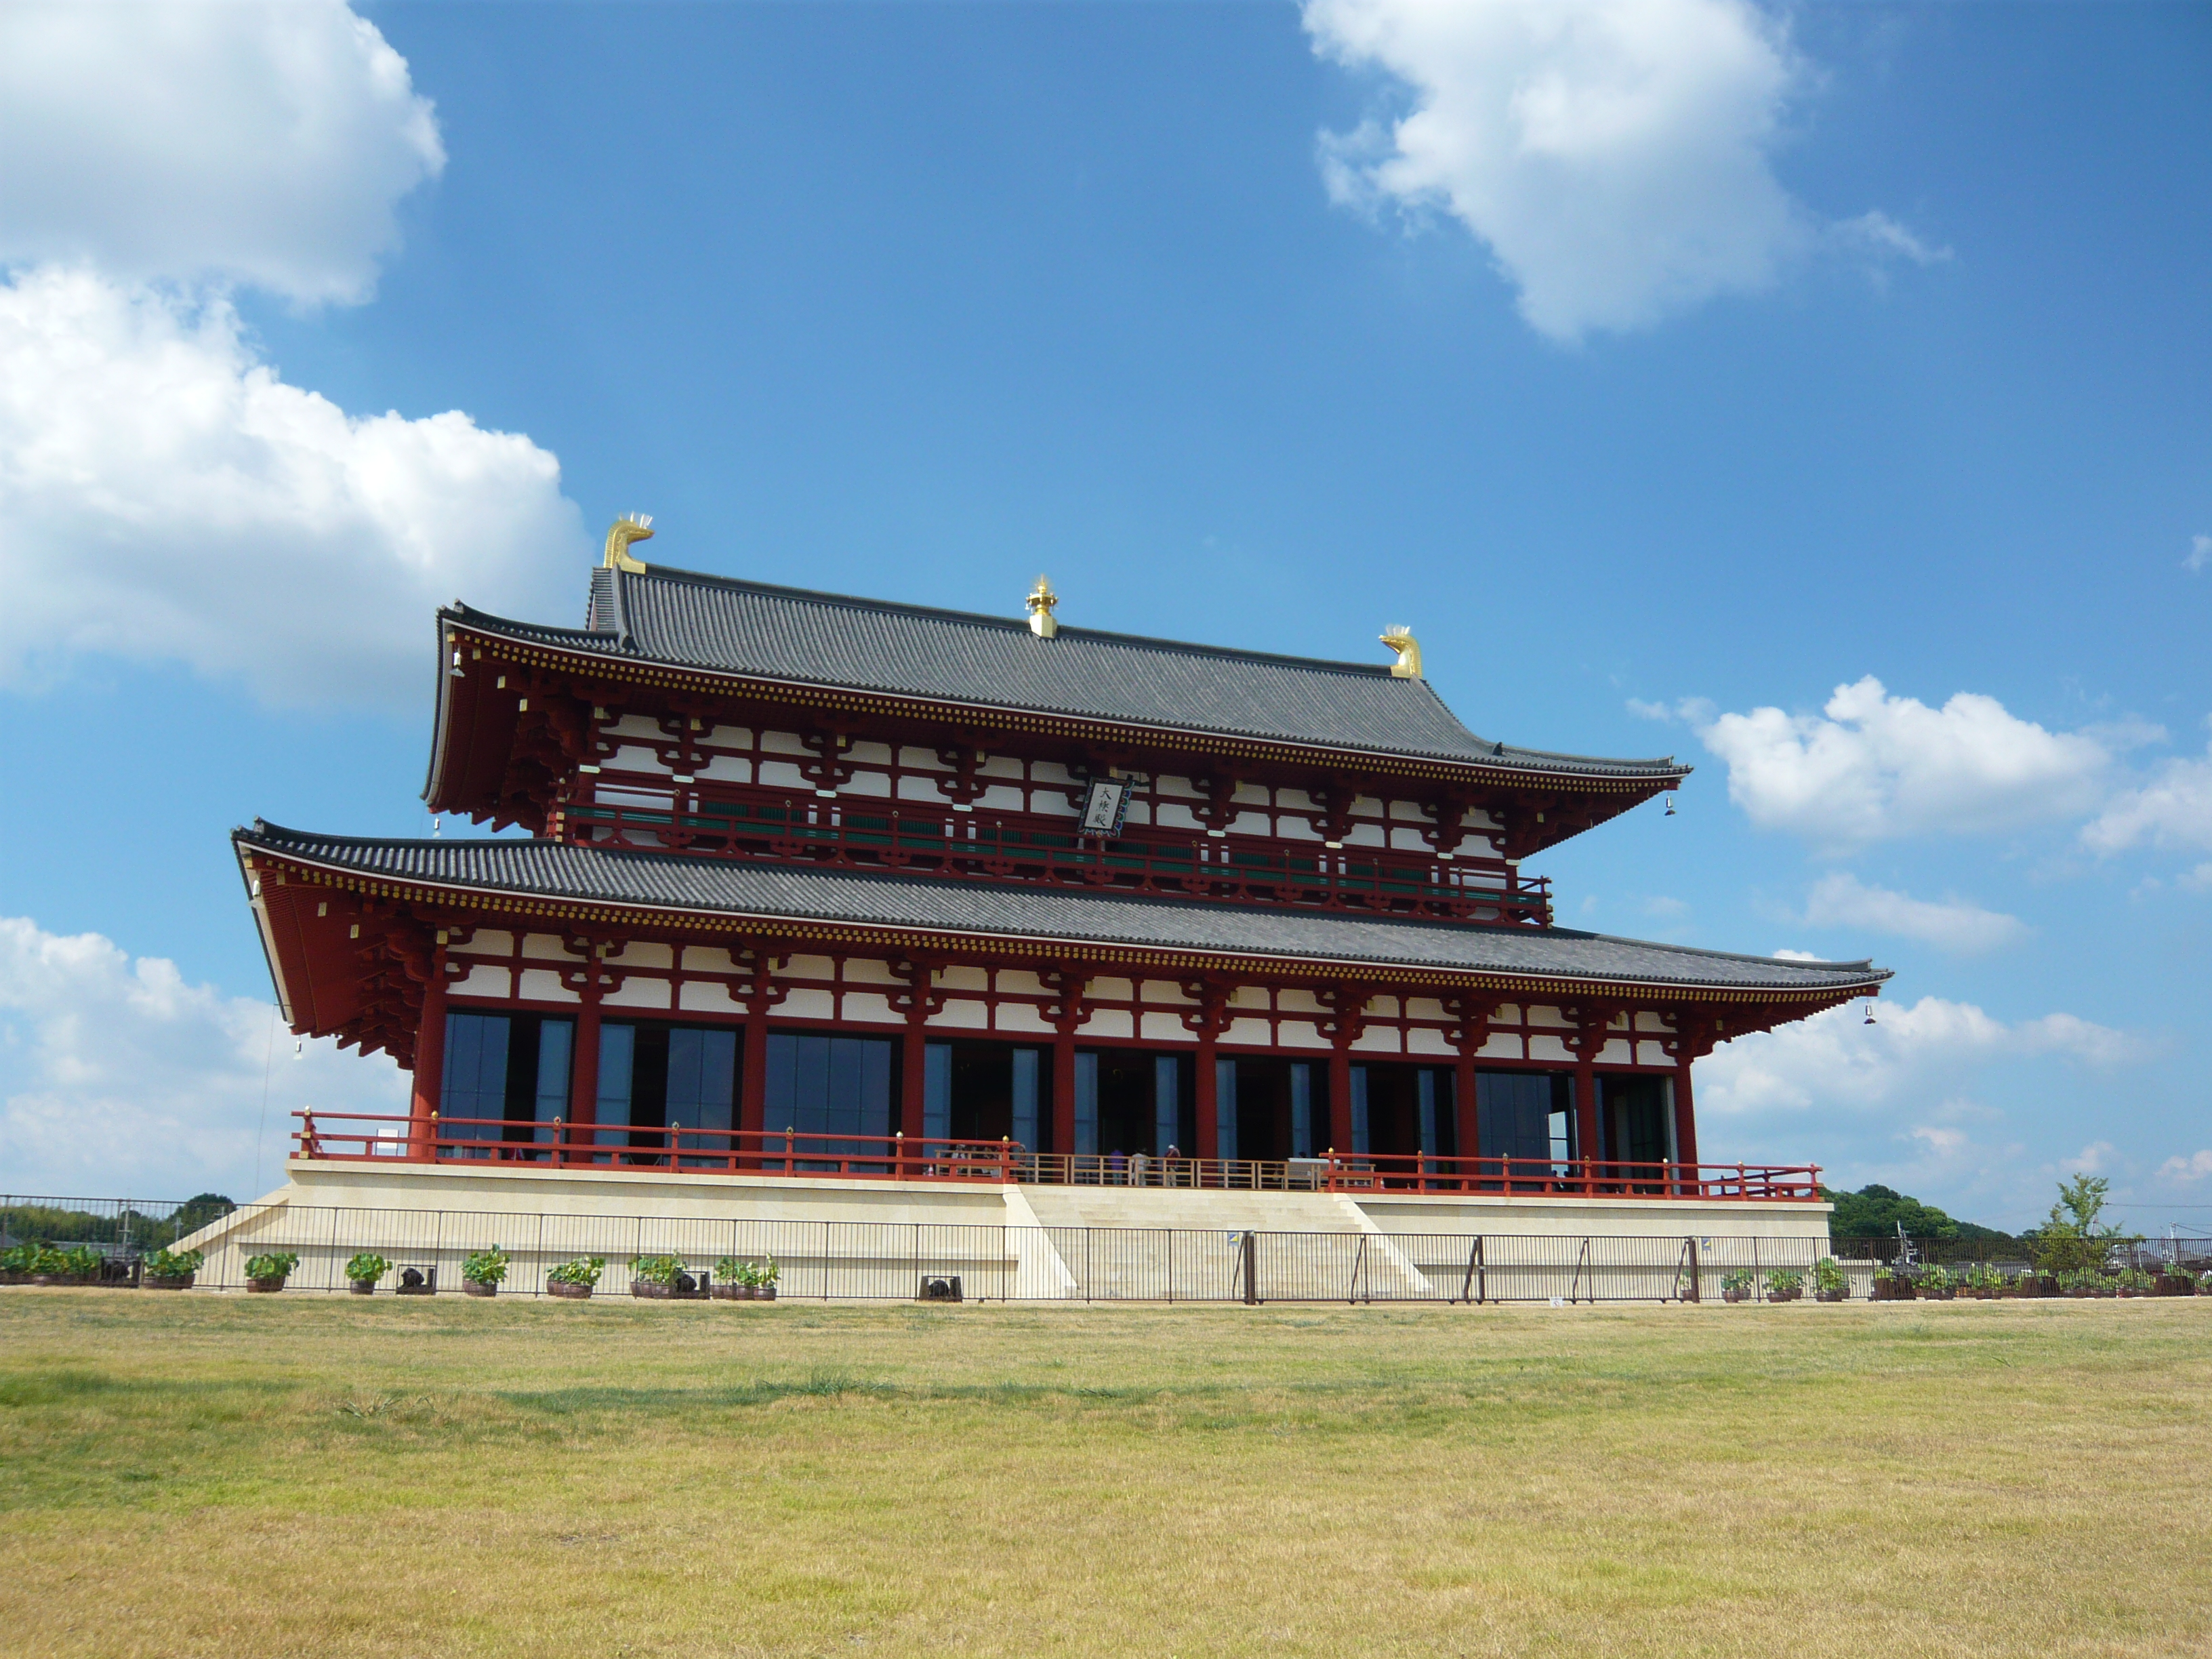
pixel 2198 1166
pixel 164 496
pixel 1841 900
pixel 1834 1062
pixel 117 1076
pixel 1613 154
pixel 1786 954
pixel 1871 765
pixel 2173 808
pixel 261 144
pixel 2200 554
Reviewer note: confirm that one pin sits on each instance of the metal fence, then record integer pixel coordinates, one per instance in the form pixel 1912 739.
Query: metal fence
pixel 902 1260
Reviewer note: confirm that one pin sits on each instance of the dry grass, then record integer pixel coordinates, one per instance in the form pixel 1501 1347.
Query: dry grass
pixel 189 1475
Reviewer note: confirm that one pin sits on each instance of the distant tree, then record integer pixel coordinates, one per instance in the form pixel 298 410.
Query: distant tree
pixel 1875 1211
pixel 2076 1236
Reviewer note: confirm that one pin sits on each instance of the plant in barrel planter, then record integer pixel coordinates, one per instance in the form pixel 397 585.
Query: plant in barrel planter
pixel 363 1271
pixel 575 1280
pixel 16 1263
pixel 1739 1286
pixel 1984 1282
pixel 2132 1281
pixel 664 1278
pixel 1936 1283
pixel 482 1272
pixel 1786 1283
pixel 745 1280
pixel 1830 1282
pixel 1891 1283
pixel 170 1270
pixel 265 1273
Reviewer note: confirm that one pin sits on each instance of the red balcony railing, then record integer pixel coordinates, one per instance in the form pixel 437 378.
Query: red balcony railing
pixel 352 1137
pixel 753 823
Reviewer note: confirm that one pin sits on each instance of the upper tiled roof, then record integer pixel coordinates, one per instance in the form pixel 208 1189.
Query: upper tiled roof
pixel 720 624
pixel 741 889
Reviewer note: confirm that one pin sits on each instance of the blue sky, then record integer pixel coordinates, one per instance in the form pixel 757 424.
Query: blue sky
pixel 1668 364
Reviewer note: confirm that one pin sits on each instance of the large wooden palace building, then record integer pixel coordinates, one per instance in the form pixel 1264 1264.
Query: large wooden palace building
pixel 826 886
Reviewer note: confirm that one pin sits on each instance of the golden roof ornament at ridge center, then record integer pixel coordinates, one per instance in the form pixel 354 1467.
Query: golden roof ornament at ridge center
pixel 1042 599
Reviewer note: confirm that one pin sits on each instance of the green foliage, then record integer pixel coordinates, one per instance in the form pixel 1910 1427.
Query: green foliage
pixel 17 1259
pixel 1786 1279
pixel 657 1269
pixel 1983 1277
pixel 368 1266
pixel 84 1261
pixel 173 1264
pixel 584 1270
pixel 126 1226
pixel 484 1267
pixel 2133 1279
pixel 2080 1279
pixel 2075 1238
pixel 1828 1276
pixel 272 1264
pixel 741 1270
pixel 1741 1280
pixel 1936 1276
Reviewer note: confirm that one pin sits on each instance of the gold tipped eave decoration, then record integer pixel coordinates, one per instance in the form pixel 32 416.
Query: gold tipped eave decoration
pixel 1042 599
pixel 630 527
pixel 1400 638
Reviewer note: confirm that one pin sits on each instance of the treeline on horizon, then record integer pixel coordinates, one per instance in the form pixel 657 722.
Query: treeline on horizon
pixel 49 1223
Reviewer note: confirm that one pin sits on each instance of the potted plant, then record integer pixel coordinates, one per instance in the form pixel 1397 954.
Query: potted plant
pixel 265 1273
pixel 363 1271
pixel 1739 1286
pixel 1984 1281
pixel 481 1271
pixel 1830 1282
pixel 743 1279
pixel 1784 1284
pixel 1892 1285
pixel 1936 1284
pixel 574 1278
pixel 16 1263
pixel 664 1278
pixel 2131 1281
pixel 170 1270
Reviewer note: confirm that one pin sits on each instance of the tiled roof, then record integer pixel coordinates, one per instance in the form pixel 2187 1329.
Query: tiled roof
pixel 741 889
pixel 719 624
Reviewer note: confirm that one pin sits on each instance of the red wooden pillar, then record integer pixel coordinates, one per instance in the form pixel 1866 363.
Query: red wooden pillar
pixel 584 1076
pixel 1339 1097
pixel 1586 1141
pixel 914 1071
pixel 1208 1094
pixel 1466 1140
pixel 429 1064
pixel 752 1086
pixel 1063 1088
pixel 1686 1117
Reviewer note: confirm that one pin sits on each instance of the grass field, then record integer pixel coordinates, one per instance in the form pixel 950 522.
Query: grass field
pixel 244 1476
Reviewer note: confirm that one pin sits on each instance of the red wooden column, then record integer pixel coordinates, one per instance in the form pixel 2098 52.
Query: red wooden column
pixel 1206 1022
pixel 917 1002
pixel 429 1063
pixel 1473 1015
pixel 1066 1011
pixel 760 996
pixel 1686 1116
pixel 583 1074
pixel 1586 1144
pixel 1207 1095
pixel 1063 1088
pixel 1346 1004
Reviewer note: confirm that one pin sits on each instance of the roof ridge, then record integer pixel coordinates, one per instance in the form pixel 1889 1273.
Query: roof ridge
pixel 1016 624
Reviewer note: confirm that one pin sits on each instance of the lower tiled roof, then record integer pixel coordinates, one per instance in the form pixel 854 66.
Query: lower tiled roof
pixel 745 889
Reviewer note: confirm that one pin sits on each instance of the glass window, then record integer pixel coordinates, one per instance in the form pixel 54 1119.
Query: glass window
pixel 556 1042
pixel 1359 1137
pixel 937 1092
pixel 618 1058
pixel 1302 1135
pixel 1224 1109
pixel 1086 1105
pixel 830 1086
pixel 1167 1111
pixel 474 1087
pixel 1025 1129
pixel 1428 1088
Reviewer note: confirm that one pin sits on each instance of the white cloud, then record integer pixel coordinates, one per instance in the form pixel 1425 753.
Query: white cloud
pixel 1613 154
pixel 1881 236
pixel 1787 954
pixel 2196 1167
pixel 261 143
pixel 164 497
pixel 2173 809
pixel 1834 1062
pixel 1841 900
pixel 117 1078
pixel 2200 554
pixel 1871 765
pixel 2198 880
